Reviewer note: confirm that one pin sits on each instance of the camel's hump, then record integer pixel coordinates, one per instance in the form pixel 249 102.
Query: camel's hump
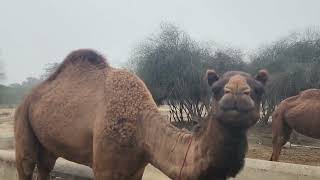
pixel 81 56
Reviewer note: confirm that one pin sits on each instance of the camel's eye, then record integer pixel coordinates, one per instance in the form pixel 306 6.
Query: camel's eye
pixel 247 92
pixel 259 91
pixel 216 90
pixel 218 93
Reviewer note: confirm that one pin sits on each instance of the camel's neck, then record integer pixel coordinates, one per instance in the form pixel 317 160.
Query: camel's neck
pixel 166 144
pixel 167 147
pixel 221 152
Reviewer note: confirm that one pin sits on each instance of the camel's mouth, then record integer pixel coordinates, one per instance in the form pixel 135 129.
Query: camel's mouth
pixel 236 111
pixel 237 117
pixel 234 114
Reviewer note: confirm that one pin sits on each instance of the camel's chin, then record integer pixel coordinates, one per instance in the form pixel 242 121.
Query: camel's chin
pixel 234 118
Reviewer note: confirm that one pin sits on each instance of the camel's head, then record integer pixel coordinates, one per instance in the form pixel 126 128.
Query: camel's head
pixel 237 96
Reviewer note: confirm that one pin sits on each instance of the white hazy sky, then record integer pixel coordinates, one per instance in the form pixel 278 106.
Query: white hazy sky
pixel 36 32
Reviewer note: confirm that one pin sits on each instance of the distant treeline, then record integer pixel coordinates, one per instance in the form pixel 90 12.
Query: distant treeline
pixel 12 94
pixel 172 65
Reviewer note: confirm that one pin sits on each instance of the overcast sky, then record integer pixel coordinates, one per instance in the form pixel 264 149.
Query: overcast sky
pixel 36 32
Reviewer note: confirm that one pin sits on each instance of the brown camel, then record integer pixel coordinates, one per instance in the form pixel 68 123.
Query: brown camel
pixel 300 113
pixel 90 113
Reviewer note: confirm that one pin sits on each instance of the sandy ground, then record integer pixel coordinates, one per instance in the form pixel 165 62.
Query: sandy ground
pixel 308 151
pixel 6 128
pixel 259 146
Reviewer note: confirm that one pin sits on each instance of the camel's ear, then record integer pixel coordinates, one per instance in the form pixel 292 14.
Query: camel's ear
pixel 262 76
pixel 211 76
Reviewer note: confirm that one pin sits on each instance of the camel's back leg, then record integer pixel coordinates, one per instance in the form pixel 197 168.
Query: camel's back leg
pixel 45 164
pixel 26 145
pixel 280 134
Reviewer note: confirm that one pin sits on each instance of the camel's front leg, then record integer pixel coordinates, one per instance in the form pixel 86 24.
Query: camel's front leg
pixel 112 161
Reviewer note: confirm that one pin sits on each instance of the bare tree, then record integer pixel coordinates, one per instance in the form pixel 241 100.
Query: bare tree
pixel 49 69
pixel 173 65
pixel 294 63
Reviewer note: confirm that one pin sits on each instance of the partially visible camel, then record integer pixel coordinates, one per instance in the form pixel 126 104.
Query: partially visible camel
pixel 90 113
pixel 301 113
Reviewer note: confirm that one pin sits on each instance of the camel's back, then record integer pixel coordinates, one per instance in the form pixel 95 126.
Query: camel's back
pixel 312 94
pixel 81 97
pixel 308 99
pixel 72 93
pixel 63 108
pixel 75 88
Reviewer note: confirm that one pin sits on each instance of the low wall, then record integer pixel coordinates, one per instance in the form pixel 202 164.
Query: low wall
pixel 267 170
pixel 63 170
pixel 254 169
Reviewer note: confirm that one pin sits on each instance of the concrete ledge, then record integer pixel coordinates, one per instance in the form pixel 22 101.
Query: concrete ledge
pixel 62 170
pixel 254 169
pixel 267 170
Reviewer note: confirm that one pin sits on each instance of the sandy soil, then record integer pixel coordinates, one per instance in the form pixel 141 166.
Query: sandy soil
pixel 308 151
pixel 6 128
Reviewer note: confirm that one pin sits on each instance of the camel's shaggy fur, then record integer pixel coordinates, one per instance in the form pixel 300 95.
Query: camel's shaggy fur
pixel 300 113
pixel 105 118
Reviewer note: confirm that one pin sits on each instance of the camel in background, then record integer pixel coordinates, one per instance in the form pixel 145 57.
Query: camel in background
pixel 300 113
pixel 90 113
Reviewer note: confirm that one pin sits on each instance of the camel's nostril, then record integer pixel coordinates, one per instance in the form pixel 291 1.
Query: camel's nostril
pixel 228 105
pixel 227 91
pixel 246 93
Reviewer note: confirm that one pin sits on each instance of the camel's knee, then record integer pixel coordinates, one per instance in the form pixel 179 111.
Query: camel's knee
pixel 28 166
pixel 25 167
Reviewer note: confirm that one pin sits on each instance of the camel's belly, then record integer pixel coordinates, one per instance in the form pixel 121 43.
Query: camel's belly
pixel 65 132
pixel 305 119
pixel 69 143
